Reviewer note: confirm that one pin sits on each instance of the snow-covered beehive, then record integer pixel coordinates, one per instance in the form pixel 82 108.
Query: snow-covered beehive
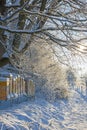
pixel 4 88
pixel 13 86
pixel 30 88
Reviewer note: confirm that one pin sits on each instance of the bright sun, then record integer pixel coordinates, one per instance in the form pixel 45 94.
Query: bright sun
pixel 81 47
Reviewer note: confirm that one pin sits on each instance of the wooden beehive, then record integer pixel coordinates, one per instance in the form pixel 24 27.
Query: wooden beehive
pixel 10 84
pixel 30 88
pixel 4 88
pixel 22 85
pixel 18 85
pixel 14 86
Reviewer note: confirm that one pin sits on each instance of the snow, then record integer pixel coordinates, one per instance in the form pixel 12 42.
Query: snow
pixel 39 114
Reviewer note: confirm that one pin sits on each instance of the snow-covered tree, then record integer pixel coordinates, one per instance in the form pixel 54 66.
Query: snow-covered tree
pixel 62 23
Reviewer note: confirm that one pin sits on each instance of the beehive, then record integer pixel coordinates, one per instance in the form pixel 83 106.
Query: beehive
pixel 24 86
pixel 4 88
pixel 14 86
pixel 18 85
pixel 30 88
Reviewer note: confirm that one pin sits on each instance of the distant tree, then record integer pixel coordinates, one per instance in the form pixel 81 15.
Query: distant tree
pixel 62 23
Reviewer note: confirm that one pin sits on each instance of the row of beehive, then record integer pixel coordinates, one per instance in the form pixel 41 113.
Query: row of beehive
pixel 11 87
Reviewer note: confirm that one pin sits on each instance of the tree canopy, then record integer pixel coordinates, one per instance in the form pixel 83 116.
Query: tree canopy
pixel 62 23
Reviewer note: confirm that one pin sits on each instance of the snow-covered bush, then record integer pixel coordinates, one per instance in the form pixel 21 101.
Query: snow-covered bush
pixel 61 92
pixel 52 93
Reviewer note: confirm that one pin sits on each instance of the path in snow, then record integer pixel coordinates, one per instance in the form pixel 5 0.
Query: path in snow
pixel 41 115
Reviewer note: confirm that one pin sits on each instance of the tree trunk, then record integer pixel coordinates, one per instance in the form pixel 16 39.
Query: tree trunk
pixel 2 50
pixel 4 61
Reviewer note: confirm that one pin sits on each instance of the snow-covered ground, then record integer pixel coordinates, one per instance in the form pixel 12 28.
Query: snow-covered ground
pixel 39 114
